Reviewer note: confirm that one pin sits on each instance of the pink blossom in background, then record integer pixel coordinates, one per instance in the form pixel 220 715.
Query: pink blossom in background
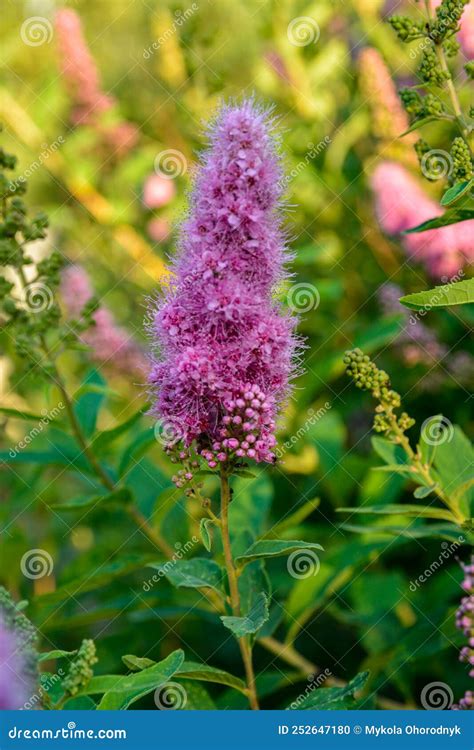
pixel 158 229
pixel 14 684
pixel 158 191
pixel 110 343
pixel 79 69
pixel 224 347
pixel 82 78
pixel 400 204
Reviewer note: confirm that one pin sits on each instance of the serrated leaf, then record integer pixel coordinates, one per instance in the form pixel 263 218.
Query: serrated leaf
pixel 250 623
pixel 451 216
pixel 195 671
pixel 275 548
pixel 131 688
pixel 196 573
pixel 456 191
pixel 457 293
pixel 329 699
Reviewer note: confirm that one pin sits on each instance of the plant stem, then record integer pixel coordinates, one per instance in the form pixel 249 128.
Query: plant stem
pixel 244 643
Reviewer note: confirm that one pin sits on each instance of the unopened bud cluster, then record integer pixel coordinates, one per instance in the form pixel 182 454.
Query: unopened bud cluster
pixel 80 672
pixel 367 376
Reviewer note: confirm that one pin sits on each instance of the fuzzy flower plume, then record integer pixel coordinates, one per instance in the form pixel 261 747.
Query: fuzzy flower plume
pixel 465 623
pixel 17 655
pixel 82 78
pixel 389 119
pixel 110 344
pixel 401 204
pixel 225 349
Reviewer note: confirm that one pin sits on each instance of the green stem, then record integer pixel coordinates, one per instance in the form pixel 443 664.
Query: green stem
pixel 453 94
pixel 244 643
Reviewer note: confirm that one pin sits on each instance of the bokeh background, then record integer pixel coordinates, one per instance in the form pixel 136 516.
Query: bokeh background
pixel 163 68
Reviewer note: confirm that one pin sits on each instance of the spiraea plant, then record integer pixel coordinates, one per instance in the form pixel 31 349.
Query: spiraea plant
pixel 435 97
pixel 440 465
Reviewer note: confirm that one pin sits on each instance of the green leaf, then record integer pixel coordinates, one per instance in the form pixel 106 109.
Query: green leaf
pixel 420 123
pixel 416 511
pixel 204 527
pixel 457 293
pixel 329 699
pixel 192 670
pixel 275 548
pixel 241 626
pixel 195 671
pixel 422 492
pixel 197 698
pixel 137 663
pixel 85 502
pixel 451 216
pixel 131 688
pixel 136 449
pixel 25 415
pixel 388 451
pixel 456 191
pixel 88 405
pixel 57 654
pixel 196 573
pixel 105 438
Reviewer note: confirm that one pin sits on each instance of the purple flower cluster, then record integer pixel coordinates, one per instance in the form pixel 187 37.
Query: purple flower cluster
pixel 225 348
pixel 13 682
pixel 465 623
